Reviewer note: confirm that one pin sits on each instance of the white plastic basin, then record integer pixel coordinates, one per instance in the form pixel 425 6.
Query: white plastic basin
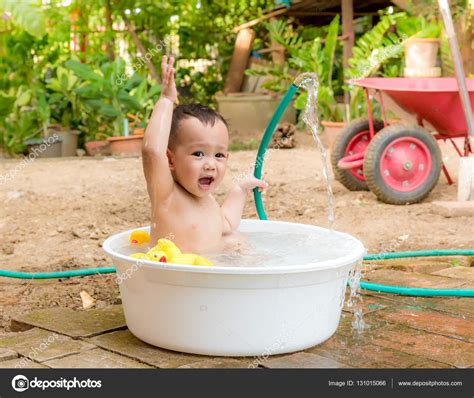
pixel 234 311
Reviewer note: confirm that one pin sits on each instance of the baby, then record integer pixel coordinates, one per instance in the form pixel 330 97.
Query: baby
pixel 185 153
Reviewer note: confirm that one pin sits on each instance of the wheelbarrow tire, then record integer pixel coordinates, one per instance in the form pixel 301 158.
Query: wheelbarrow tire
pixel 415 162
pixel 340 150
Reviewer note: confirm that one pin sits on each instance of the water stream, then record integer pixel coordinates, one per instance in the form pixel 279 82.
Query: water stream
pixel 309 81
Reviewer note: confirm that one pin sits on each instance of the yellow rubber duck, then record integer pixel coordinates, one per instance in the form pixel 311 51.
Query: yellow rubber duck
pixel 139 256
pixel 166 251
pixel 139 237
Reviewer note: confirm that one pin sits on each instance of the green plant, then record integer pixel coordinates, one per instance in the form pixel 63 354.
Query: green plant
pixel 378 51
pixel 419 26
pixel 28 14
pixel 103 93
pixel 20 118
pixel 146 94
pixel 305 56
pixel 63 100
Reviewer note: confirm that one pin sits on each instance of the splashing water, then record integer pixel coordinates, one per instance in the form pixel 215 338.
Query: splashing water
pixel 355 298
pixel 309 81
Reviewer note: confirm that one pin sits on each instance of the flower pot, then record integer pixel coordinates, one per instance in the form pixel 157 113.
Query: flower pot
pixel 69 142
pixel 97 148
pixel 420 58
pixel 331 129
pixel 49 147
pixel 126 146
pixel 138 131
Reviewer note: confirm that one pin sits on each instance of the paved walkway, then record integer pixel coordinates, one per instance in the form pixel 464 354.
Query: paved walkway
pixel 404 332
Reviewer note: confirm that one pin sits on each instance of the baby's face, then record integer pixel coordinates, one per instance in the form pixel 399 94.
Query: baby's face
pixel 199 157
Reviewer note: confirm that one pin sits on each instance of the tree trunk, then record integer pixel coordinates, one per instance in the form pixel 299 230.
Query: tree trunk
pixel 238 63
pixel 109 36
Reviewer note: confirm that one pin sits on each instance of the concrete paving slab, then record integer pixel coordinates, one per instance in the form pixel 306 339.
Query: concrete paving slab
pixel 42 345
pixel 125 343
pixel 96 358
pixel 83 323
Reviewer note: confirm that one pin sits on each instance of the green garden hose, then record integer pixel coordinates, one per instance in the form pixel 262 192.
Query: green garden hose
pixel 267 135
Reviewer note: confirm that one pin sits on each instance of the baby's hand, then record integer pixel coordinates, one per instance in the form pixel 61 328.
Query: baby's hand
pixel 250 182
pixel 168 86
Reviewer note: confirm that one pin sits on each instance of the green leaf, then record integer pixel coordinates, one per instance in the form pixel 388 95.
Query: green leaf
pixel 129 102
pixel 329 50
pixel 6 104
pixel 23 99
pixel 84 71
pixel 28 14
pixel 108 110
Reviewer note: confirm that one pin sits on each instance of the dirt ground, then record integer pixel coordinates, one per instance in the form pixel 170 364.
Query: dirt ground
pixel 56 213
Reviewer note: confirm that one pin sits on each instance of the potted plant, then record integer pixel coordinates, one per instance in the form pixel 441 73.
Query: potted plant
pixel 27 125
pixel 421 49
pixel 65 109
pixel 106 93
pixel 145 94
pixel 109 95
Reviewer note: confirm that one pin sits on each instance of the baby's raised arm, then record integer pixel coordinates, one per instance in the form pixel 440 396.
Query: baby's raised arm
pixel 155 143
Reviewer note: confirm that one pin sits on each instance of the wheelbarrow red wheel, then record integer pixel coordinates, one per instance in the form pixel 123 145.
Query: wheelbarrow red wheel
pixel 353 138
pixel 402 164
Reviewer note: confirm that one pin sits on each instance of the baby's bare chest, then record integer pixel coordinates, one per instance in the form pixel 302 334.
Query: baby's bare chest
pixel 202 217
pixel 192 218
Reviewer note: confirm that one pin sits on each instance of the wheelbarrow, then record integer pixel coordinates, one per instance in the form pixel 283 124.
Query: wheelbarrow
pixel 401 163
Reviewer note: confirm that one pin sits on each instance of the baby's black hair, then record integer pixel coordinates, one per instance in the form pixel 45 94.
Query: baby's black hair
pixel 203 113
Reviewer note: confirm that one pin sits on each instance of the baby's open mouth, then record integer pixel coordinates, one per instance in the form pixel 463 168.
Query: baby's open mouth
pixel 205 182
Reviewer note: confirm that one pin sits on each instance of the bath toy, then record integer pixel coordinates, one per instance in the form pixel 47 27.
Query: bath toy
pixel 166 251
pixel 139 237
pixel 168 247
pixel 156 254
pixel 190 259
pixel 142 256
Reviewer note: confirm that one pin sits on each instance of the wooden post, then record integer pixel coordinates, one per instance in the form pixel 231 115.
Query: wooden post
pixel 348 31
pixel 468 42
pixel 238 64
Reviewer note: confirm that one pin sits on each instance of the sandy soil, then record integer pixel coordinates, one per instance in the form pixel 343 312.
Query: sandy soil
pixel 56 213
